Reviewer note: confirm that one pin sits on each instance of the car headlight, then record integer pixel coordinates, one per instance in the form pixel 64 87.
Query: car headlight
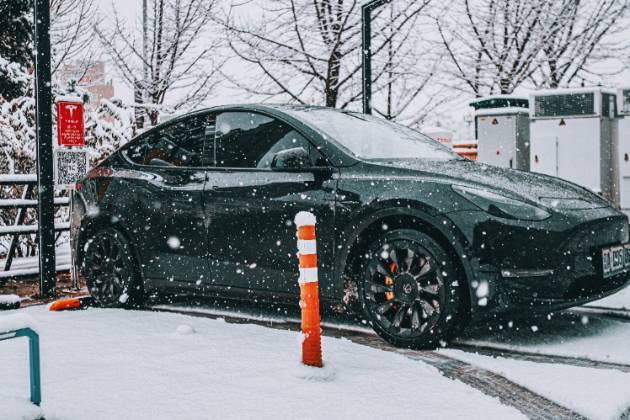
pixel 500 205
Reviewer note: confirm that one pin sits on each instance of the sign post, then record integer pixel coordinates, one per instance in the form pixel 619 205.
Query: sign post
pixel 366 26
pixel 45 189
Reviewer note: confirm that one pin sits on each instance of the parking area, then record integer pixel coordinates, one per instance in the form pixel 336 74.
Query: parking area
pixel 210 359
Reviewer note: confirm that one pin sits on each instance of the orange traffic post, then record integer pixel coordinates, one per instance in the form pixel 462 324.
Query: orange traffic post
pixel 309 294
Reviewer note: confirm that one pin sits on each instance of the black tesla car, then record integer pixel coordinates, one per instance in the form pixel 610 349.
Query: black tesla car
pixel 414 237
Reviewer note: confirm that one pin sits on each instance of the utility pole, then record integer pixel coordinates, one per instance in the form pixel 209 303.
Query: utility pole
pixel 45 188
pixel 366 26
pixel 145 50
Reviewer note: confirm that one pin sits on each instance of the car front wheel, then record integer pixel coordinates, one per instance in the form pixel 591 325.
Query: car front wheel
pixel 409 290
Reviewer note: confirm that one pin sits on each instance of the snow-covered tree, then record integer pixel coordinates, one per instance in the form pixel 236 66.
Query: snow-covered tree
pixel 180 60
pixel 16 44
pixel 582 34
pixel 108 127
pixel 408 86
pixel 309 51
pixel 494 46
pixel 71 33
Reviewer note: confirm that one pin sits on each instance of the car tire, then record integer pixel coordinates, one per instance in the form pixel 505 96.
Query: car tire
pixel 111 272
pixel 409 290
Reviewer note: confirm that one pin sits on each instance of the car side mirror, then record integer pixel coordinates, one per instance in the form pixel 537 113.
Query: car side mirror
pixel 293 159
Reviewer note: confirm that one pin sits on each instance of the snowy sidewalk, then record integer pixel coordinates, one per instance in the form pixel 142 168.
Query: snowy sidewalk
pixel 105 364
pixel 596 384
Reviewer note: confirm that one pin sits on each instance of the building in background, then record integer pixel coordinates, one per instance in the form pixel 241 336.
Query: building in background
pixel 93 78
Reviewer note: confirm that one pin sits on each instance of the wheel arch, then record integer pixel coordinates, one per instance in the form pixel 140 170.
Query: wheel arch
pixel 359 233
pixel 91 225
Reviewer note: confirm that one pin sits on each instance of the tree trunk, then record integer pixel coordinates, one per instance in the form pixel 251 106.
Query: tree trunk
pixel 332 79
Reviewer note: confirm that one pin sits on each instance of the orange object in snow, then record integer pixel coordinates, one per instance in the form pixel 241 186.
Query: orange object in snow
pixel 309 292
pixel 69 304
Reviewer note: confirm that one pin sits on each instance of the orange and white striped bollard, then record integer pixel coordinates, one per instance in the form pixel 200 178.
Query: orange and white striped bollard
pixel 309 294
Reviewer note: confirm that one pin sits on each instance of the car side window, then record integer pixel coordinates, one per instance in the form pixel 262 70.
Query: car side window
pixel 251 140
pixel 180 144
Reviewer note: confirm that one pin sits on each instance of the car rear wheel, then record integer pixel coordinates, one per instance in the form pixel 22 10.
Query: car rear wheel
pixel 110 270
pixel 409 290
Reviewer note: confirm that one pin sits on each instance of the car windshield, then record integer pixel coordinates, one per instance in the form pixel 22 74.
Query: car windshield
pixel 368 137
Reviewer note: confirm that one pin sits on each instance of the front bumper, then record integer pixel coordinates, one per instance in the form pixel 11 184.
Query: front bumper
pixel 527 267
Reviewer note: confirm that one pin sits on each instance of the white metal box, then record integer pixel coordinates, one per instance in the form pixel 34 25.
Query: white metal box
pixel 502 131
pixel 623 105
pixel 574 137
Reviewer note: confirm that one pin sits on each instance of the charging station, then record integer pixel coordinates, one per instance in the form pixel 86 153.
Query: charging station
pixel 574 137
pixel 623 107
pixel 502 131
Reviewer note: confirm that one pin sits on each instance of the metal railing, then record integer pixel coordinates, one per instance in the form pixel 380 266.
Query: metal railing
pixel 27 201
pixel 33 359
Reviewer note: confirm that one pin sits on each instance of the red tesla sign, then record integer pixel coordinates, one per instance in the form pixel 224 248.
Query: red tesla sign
pixel 70 123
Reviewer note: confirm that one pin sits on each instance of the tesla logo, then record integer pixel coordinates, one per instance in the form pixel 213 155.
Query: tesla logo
pixel 71 109
pixel 495 122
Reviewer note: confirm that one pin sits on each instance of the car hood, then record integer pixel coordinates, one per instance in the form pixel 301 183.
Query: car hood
pixel 544 189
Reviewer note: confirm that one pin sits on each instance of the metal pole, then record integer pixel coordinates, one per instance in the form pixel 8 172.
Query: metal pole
pixel 145 42
pixel 145 56
pixel 366 53
pixel 45 188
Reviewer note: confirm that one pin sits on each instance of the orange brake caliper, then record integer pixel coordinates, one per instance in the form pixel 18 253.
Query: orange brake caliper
pixel 390 282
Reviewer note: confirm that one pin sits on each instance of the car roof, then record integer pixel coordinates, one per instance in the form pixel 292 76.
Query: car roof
pixel 269 107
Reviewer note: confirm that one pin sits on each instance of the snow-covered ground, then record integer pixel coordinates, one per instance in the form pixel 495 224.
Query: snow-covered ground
pixel 115 364
pixel 566 334
pixel 593 392
pixel 620 300
pixel 105 363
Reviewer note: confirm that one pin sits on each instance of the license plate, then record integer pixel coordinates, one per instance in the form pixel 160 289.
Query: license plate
pixel 615 260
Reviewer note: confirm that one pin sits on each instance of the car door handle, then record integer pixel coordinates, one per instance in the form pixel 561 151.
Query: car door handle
pixel 215 189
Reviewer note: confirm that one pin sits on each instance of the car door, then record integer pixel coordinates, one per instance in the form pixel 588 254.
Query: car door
pixel 168 201
pixel 252 241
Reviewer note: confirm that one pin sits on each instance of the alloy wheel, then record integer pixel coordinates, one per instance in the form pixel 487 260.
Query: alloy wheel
pixel 108 268
pixel 405 289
